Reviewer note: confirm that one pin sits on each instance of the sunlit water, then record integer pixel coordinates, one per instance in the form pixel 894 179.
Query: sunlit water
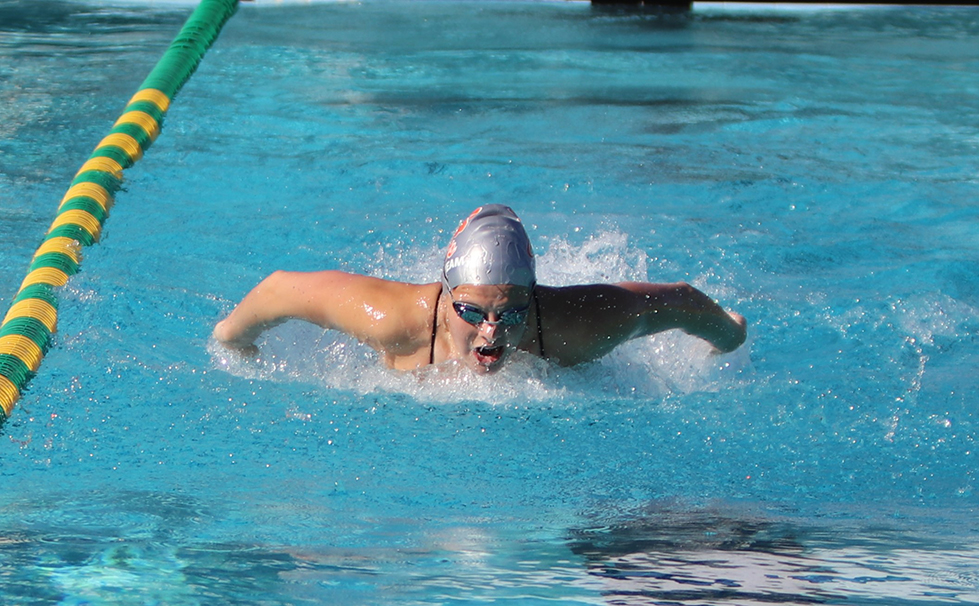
pixel 814 170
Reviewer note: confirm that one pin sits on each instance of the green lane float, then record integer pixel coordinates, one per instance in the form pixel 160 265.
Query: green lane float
pixel 25 334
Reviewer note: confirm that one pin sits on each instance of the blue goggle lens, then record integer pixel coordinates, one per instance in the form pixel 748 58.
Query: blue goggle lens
pixel 476 316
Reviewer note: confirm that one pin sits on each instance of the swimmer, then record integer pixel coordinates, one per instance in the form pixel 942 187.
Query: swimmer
pixel 486 305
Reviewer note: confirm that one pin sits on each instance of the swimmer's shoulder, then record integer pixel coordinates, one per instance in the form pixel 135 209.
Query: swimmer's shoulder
pixel 579 323
pixel 552 324
pixel 369 308
pixel 403 297
pixel 403 332
pixel 378 292
pixel 403 313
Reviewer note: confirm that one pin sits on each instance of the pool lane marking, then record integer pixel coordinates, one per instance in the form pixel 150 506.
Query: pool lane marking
pixel 154 96
pixel 8 395
pixel 103 164
pixel 37 309
pixel 82 219
pixel 22 347
pixel 142 119
pixel 89 190
pixel 127 143
pixel 25 333
pixel 50 276
pixel 61 245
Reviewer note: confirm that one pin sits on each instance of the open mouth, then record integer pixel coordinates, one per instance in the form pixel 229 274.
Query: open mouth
pixel 488 355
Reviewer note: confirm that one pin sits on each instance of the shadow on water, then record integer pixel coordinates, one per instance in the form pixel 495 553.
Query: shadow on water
pixel 153 547
pixel 130 547
pixel 670 554
pixel 27 16
pixel 678 15
pixel 55 16
pixel 669 12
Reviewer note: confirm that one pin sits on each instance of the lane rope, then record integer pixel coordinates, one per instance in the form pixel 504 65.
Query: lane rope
pixel 25 334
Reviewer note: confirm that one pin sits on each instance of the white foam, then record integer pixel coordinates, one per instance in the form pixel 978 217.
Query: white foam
pixel 925 316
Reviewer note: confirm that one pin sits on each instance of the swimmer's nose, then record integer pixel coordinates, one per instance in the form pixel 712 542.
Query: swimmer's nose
pixel 489 330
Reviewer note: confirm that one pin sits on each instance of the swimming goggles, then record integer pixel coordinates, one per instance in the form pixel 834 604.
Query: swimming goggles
pixel 476 315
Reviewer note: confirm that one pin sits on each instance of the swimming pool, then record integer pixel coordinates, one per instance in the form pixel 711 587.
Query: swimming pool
pixel 814 170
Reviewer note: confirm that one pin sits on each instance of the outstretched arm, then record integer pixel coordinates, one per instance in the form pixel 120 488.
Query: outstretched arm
pixel 361 306
pixel 666 306
pixel 281 296
pixel 582 323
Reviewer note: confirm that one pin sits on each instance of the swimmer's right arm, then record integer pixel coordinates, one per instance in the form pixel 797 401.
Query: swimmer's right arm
pixel 319 297
pixel 350 303
pixel 262 308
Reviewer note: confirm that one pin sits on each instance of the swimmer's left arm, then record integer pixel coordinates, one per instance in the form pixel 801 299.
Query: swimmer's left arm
pixel 585 322
pixel 666 306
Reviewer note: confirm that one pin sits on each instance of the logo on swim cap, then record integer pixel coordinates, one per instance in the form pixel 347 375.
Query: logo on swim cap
pixel 465 222
pixel 490 246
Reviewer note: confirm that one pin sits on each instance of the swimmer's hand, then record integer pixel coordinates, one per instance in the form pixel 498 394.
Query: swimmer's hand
pixel 736 333
pixel 239 343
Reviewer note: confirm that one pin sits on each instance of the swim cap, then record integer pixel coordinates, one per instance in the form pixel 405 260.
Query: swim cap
pixel 490 247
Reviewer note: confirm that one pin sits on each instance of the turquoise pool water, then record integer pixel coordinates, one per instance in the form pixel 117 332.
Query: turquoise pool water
pixel 813 169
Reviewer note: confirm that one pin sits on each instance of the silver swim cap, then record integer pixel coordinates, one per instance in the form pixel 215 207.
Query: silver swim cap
pixel 490 247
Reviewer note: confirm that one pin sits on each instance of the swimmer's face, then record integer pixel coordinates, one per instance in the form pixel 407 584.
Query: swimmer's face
pixel 484 346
